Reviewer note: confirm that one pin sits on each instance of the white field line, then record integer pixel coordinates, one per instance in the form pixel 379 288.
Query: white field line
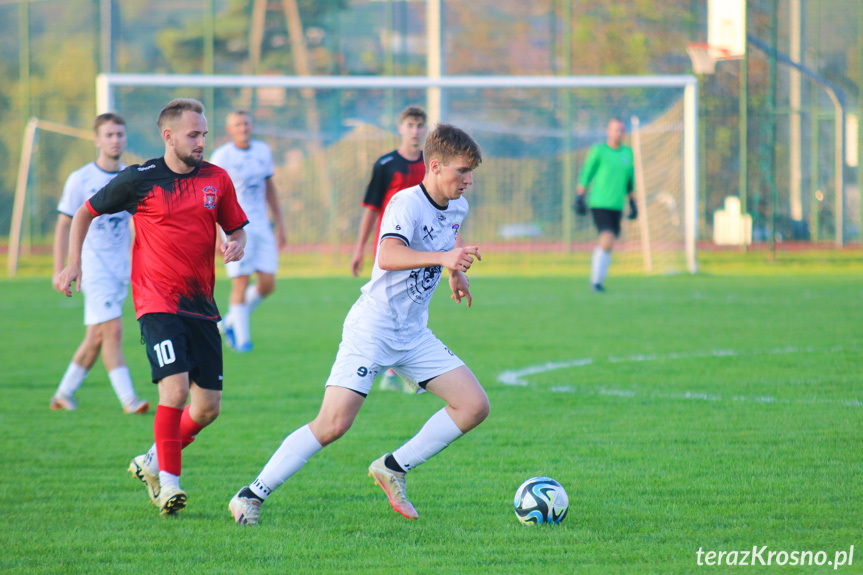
pixel 519 377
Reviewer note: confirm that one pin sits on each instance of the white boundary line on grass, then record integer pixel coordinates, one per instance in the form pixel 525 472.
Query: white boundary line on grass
pixel 518 377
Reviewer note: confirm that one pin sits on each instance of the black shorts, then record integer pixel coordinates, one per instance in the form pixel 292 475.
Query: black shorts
pixel 178 344
pixel 607 220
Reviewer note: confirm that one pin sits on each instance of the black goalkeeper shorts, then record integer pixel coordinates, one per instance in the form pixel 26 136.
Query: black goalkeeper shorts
pixel 607 220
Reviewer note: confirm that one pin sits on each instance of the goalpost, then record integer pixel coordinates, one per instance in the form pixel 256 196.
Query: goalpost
pixel 535 131
pixel 27 147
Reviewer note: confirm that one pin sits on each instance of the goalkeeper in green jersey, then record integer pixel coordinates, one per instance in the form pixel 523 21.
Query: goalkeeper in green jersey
pixel 608 171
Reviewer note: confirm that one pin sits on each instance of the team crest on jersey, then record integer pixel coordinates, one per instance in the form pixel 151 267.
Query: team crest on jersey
pixel 455 230
pixel 422 283
pixel 210 197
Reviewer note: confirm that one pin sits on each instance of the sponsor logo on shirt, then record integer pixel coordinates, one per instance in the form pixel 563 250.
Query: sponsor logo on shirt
pixel 145 168
pixel 210 197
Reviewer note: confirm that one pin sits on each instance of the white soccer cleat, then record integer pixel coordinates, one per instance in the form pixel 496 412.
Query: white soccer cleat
pixel 137 405
pixel 246 510
pixel 150 480
pixel 171 500
pixel 393 484
pixel 59 403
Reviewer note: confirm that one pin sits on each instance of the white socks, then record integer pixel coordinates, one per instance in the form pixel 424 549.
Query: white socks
pixel 239 314
pixel 121 381
pixel 253 297
pixel 295 451
pixel 239 320
pixel 166 479
pixel 438 432
pixel 72 380
pixel 151 461
pixel 599 265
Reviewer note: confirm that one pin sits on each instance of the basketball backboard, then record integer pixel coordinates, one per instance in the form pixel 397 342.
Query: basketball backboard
pixel 726 26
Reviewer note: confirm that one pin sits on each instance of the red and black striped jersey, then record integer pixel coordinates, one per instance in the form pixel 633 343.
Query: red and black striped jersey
pixel 175 217
pixel 391 174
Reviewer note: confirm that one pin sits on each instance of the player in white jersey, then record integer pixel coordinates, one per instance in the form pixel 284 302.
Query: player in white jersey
pixel 107 267
pixel 388 327
pixel 250 164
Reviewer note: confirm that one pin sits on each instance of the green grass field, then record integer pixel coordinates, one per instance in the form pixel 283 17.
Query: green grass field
pixel 718 411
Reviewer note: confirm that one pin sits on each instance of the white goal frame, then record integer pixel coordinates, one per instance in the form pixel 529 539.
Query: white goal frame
pixel 106 83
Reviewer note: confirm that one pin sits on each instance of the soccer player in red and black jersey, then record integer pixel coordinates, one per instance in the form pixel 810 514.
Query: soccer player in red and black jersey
pixel 176 201
pixel 400 169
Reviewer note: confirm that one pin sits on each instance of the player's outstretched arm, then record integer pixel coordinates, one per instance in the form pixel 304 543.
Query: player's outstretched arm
pixel 367 223
pixel 72 272
pixel 235 245
pixel 394 255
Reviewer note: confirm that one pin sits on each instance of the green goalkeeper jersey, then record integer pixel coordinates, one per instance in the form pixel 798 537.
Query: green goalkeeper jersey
pixel 609 174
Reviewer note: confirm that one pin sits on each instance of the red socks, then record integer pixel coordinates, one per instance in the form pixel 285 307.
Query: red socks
pixel 166 431
pixel 188 428
pixel 173 430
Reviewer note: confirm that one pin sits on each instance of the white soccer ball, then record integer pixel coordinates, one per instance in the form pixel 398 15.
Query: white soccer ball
pixel 541 500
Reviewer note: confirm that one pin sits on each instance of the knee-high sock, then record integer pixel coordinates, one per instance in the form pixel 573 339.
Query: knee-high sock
pixel 605 263
pixel 188 428
pixel 599 264
pixel 240 322
pixel 72 379
pixel 188 431
pixel 438 432
pixel 121 381
pixel 253 297
pixel 166 431
pixel 295 451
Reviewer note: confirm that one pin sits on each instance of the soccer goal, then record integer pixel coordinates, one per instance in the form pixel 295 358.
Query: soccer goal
pixel 20 205
pixel 327 131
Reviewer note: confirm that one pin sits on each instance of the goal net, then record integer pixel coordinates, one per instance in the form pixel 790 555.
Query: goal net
pixel 326 132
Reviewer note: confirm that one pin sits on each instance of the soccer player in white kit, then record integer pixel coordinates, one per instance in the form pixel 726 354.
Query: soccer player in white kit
pixel 388 327
pixel 250 164
pixel 107 267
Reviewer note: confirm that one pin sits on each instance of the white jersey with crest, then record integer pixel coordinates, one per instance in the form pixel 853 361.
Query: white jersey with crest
pixel 249 170
pixel 394 304
pixel 106 250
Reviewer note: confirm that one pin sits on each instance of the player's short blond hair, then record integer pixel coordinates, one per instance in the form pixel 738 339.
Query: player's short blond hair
pixel 447 142
pixel 107 117
pixel 413 112
pixel 175 108
pixel 238 112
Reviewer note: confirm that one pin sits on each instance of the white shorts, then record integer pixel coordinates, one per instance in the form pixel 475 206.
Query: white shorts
pixel 361 360
pixel 261 254
pixel 103 298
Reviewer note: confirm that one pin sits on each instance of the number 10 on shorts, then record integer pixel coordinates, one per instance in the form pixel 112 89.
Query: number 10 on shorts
pixel 165 352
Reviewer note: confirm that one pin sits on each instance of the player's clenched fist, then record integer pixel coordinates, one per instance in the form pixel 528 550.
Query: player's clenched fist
pixel 233 251
pixel 460 259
